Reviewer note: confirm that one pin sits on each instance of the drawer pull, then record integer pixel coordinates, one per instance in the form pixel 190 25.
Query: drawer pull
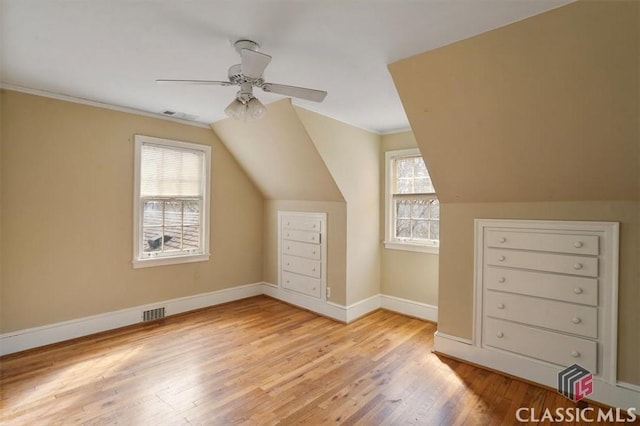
pixel 576 320
pixel 313 238
pixel 287 234
pixel 575 354
pixel 288 223
pixel 577 266
pixel 288 248
pixel 502 240
pixel 314 225
pixel 499 334
pixel 577 290
pixel 314 269
pixel 500 305
pixel 578 244
pixel 314 252
pixel 502 258
pixel 502 279
pixel 288 264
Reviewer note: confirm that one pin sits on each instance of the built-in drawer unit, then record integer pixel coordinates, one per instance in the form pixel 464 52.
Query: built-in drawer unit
pixel 302 253
pixel 545 293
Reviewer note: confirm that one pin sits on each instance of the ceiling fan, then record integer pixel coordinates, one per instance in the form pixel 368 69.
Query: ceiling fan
pixel 249 74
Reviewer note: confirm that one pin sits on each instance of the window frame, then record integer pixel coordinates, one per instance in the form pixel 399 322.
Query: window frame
pixel 390 241
pixel 138 240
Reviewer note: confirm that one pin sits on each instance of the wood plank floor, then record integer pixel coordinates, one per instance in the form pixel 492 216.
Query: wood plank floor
pixel 259 361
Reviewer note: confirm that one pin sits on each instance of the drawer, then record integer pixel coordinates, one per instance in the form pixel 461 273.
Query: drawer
pixel 561 263
pixel 302 236
pixel 551 286
pixel 538 241
pixel 301 223
pixel 560 316
pixel 311 251
pixel 301 284
pixel 301 265
pixel 540 344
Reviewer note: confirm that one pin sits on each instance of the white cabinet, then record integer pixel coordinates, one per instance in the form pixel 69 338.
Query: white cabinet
pixel 302 253
pixel 546 291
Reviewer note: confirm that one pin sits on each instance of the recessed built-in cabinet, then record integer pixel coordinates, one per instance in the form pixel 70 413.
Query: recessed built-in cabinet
pixel 547 291
pixel 302 253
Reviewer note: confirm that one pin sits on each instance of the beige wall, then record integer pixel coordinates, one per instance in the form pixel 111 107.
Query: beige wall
pixel 545 109
pixel 352 156
pixel 536 120
pixel 278 155
pixel 405 274
pixel 336 241
pixel 67 209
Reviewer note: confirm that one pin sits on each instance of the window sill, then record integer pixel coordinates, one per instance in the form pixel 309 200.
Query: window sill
pixel 162 261
pixel 421 248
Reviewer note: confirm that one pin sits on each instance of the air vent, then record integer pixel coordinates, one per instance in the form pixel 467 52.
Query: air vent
pixel 177 114
pixel 153 314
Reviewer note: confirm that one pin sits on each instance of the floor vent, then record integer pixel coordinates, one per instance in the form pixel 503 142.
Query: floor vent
pixel 153 314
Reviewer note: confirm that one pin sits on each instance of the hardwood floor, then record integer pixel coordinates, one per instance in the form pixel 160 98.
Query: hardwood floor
pixel 259 361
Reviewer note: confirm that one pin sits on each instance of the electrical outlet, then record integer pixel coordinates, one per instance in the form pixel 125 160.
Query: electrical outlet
pixel 328 292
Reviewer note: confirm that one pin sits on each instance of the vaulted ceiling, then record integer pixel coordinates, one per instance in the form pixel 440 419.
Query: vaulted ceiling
pixel 112 51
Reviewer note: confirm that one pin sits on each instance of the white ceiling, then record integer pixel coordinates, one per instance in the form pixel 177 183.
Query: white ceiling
pixel 111 51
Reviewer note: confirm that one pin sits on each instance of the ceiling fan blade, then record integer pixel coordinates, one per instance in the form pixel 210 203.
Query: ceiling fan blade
pixel 296 92
pixel 203 82
pixel 253 63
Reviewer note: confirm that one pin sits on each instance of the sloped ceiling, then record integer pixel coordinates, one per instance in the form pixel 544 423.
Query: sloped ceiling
pixel 279 156
pixel 545 109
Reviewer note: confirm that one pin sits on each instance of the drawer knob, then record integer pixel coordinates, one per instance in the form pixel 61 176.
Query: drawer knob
pixel 314 252
pixel 314 269
pixel 314 225
pixel 578 244
pixel 575 354
pixel 577 266
pixel 314 289
pixel 288 248
pixel 287 263
pixel 499 334
pixel 502 258
pixel 287 234
pixel 577 290
pixel 576 320
pixel 502 279
pixel 313 238
pixel 500 305
pixel 502 240
pixel 288 281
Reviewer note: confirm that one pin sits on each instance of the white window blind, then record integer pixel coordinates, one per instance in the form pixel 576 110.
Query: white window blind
pixel 170 172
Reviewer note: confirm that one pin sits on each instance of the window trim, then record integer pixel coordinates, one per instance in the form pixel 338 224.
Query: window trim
pixel 390 242
pixel 202 256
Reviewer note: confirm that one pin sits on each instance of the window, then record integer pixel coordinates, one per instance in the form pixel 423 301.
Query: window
pixel 171 202
pixel 412 208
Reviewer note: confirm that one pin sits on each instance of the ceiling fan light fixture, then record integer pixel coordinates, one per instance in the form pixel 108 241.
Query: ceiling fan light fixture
pixel 236 109
pixel 255 110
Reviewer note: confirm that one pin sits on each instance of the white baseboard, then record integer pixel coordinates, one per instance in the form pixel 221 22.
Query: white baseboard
pixel 328 309
pixel 614 395
pixel 409 307
pixel 362 308
pixel 52 333
pixel 21 340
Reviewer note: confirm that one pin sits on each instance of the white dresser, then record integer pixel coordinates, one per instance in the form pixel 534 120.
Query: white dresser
pixel 546 291
pixel 302 253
